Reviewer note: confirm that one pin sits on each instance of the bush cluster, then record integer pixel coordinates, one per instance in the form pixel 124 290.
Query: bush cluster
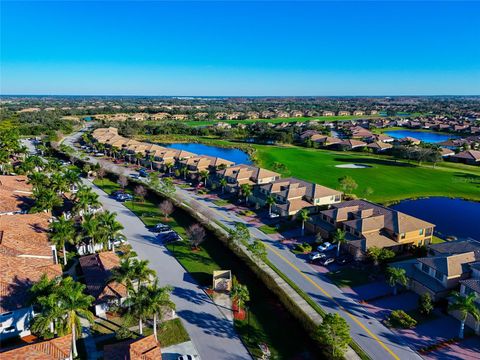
pixel 400 319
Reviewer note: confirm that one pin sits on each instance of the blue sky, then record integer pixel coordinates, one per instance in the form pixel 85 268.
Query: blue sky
pixel 234 48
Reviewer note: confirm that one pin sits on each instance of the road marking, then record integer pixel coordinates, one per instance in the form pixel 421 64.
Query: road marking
pixel 332 299
pixel 375 337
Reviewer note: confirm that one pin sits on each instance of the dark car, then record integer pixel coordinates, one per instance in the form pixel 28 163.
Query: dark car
pixel 143 172
pixel 160 228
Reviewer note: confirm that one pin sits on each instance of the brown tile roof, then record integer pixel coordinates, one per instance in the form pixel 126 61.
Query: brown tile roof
pixel 55 349
pixel 15 194
pixel 15 183
pixel 146 348
pixel 468 155
pixel 97 270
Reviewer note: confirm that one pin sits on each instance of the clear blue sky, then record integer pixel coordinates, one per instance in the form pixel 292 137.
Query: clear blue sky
pixel 232 48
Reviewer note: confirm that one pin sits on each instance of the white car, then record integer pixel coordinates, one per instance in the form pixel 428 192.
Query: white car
pixel 326 246
pixel 316 256
pixel 273 215
pixel 187 357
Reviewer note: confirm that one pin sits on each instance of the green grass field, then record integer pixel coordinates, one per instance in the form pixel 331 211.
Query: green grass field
pixel 391 181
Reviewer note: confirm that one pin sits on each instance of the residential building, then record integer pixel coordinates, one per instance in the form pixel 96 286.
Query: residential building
pixel 54 349
pixel 15 194
pixel 97 271
pixel 344 113
pixel 245 174
pixel 292 195
pixel 379 146
pixel 145 348
pixel 368 224
pixel 25 255
pixel 196 164
pixel 359 113
pixel 449 266
pixel 328 113
pixel 470 157
pixel 351 144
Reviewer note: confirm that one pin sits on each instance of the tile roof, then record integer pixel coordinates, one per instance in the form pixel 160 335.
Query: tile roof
pixel 55 349
pixel 146 348
pixel 473 284
pixel 450 265
pixel 97 270
pixel 468 155
pixel 15 194
pixel 456 247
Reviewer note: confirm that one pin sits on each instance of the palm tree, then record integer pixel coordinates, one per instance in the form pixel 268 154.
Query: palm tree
pixel 241 295
pixel 141 272
pixel 396 275
pixel 74 304
pixel 124 274
pixel 204 174
pixel 45 199
pixel 37 179
pixel 58 183
pixel 303 216
pixel 49 321
pixel 138 157
pixel 464 304
pixel 184 171
pixel 270 201
pixel 90 230
pixel 113 228
pixel 63 231
pixel 151 159
pixel 84 199
pixel 223 184
pixel 138 307
pixel 339 239
pixel 72 178
pixel 246 191
pixel 159 299
pixel 169 167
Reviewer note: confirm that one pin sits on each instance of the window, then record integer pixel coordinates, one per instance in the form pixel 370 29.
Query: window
pixel 420 232
pixel 438 276
pixel 9 329
pixel 402 236
pixel 425 268
pixel 429 232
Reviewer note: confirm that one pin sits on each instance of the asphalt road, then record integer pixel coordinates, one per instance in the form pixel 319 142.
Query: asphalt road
pixel 374 338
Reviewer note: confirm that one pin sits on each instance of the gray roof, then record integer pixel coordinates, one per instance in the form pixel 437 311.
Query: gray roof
pixel 473 284
pixel 457 247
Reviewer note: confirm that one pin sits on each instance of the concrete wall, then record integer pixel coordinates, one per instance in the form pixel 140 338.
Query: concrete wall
pixel 20 321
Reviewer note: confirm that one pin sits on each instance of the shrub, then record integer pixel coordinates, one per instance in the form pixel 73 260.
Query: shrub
pixel 425 305
pixel 304 247
pixel 400 319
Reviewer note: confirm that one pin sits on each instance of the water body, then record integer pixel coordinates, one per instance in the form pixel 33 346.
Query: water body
pixel 425 136
pixel 452 217
pixel 235 155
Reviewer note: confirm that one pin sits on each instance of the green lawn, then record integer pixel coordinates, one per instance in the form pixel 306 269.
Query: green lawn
pixel 390 180
pixel 267 229
pixel 349 277
pixel 437 240
pixel 221 202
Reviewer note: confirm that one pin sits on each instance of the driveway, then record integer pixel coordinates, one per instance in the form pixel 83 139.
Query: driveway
pixel 467 349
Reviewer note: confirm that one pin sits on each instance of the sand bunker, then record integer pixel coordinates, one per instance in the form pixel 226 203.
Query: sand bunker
pixel 353 166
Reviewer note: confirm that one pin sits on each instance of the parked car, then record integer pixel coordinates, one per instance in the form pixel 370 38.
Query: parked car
pixel 326 246
pixel 124 197
pixel 143 172
pixel 133 176
pixel 328 261
pixel 160 228
pixel 99 154
pixel 316 256
pixel 274 215
pixel 187 357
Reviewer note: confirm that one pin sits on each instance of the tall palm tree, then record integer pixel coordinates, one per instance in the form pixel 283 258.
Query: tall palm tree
pixel 124 274
pixel 339 239
pixel 223 184
pixel 113 228
pixel 184 171
pixel 90 230
pixel 72 178
pixel 464 304
pixel 270 201
pixel 396 275
pixel 37 179
pixel 169 167
pixel 246 191
pixel 159 300
pixel 304 216
pixel 138 157
pixel 141 272
pixel 45 199
pixel 63 231
pixel 84 199
pixel 204 175
pixel 151 159
pixel 58 183
pixel 138 307
pixel 49 320
pixel 75 305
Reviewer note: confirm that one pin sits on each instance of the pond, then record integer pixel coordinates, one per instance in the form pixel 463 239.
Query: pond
pixel 425 136
pixel 231 154
pixel 452 217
